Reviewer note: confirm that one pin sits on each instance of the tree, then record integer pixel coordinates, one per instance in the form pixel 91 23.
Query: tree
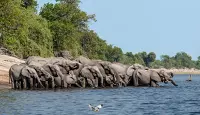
pixel 151 57
pixel 68 24
pixel 184 60
pixel 114 54
pixel 167 62
pixel 19 26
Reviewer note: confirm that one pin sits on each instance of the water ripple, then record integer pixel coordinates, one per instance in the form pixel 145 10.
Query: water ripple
pixel 166 99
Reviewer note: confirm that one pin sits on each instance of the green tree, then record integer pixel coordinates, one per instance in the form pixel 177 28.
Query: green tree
pixel 67 23
pixel 114 54
pixel 183 60
pixel 167 62
pixel 151 57
pixel 17 26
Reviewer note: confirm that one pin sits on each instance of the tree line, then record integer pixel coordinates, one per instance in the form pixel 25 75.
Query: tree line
pixel 64 26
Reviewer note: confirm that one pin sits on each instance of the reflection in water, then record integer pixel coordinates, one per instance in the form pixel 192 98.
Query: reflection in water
pixel 167 99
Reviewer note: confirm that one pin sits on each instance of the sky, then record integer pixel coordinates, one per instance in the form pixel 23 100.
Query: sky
pixel 160 26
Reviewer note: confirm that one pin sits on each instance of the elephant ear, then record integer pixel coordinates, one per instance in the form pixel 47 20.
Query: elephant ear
pixel 156 76
pixel 130 71
pixel 161 73
pixel 91 69
pixel 25 71
pixel 171 74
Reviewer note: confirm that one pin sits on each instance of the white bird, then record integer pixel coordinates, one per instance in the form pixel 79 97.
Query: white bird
pixel 96 109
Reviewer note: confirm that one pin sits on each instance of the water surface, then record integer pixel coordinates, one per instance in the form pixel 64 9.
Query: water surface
pixel 165 100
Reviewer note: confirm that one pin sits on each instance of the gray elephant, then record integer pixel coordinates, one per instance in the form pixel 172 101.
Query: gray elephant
pixel 92 75
pixel 62 76
pixel 54 71
pixel 46 79
pixel 150 77
pixel 121 70
pixel 71 79
pixel 111 70
pixel 23 76
pixel 130 70
pixel 37 61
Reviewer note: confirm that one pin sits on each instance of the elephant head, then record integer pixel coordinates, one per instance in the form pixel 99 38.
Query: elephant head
pixel 44 76
pixel 97 75
pixel 166 76
pixel 110 80
pixel 32 76
pixel 110 72
pixel 71 79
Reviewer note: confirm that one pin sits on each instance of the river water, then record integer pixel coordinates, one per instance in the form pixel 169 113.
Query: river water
pixel 165 100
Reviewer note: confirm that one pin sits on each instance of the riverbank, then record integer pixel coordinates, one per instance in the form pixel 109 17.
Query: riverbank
pixel 7 61
pixel 182 71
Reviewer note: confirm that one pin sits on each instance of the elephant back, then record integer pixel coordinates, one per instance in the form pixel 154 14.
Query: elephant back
pixel 84 60
pixel 155 76
pixel 37 61
pixel 15 71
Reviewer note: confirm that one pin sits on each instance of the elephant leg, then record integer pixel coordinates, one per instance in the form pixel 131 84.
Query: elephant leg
pixel 52 83
pixel 83 83
pixel 96 82
pixel 12 85
pixel 135 79
pixel 90 82
pixel 46 84
pixel 102 83
pixel 111 85
pixel 31 83
pixel 38 81
pixel 16 84
pixel 24 83
pixel 20 84
pixel 62 83
pixel 34 83
pixel 153 84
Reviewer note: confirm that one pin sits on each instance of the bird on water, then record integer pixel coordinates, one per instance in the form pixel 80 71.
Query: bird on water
pixel 95 108
pixel 190 78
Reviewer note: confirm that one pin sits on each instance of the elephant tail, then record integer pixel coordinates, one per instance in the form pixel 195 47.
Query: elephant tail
pixel 11 78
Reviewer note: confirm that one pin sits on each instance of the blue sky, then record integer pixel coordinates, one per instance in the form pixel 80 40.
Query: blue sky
pixel 161 26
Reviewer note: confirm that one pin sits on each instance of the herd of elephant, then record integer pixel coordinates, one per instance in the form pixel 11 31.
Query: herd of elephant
pixel 58 72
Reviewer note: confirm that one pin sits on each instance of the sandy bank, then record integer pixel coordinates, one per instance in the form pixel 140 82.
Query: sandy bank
pixel 5 63
pixel 182 71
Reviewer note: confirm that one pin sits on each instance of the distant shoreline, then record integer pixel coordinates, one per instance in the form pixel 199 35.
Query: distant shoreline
pixel 182 71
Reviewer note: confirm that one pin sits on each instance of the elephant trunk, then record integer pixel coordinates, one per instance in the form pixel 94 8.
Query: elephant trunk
pixel 38 79
pixel 135 78
pixel 173 82
pixel 101 79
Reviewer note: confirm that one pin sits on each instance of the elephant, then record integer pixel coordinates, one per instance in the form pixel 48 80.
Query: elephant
pixel 121 71
pixel 45 77
pixel 63 78
pixel 23 76
pixel 54 71
pixel 37 61
pixel 71 79
pixel 117 71
pixel 92 75
pixel 150 77
pixel 130 70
